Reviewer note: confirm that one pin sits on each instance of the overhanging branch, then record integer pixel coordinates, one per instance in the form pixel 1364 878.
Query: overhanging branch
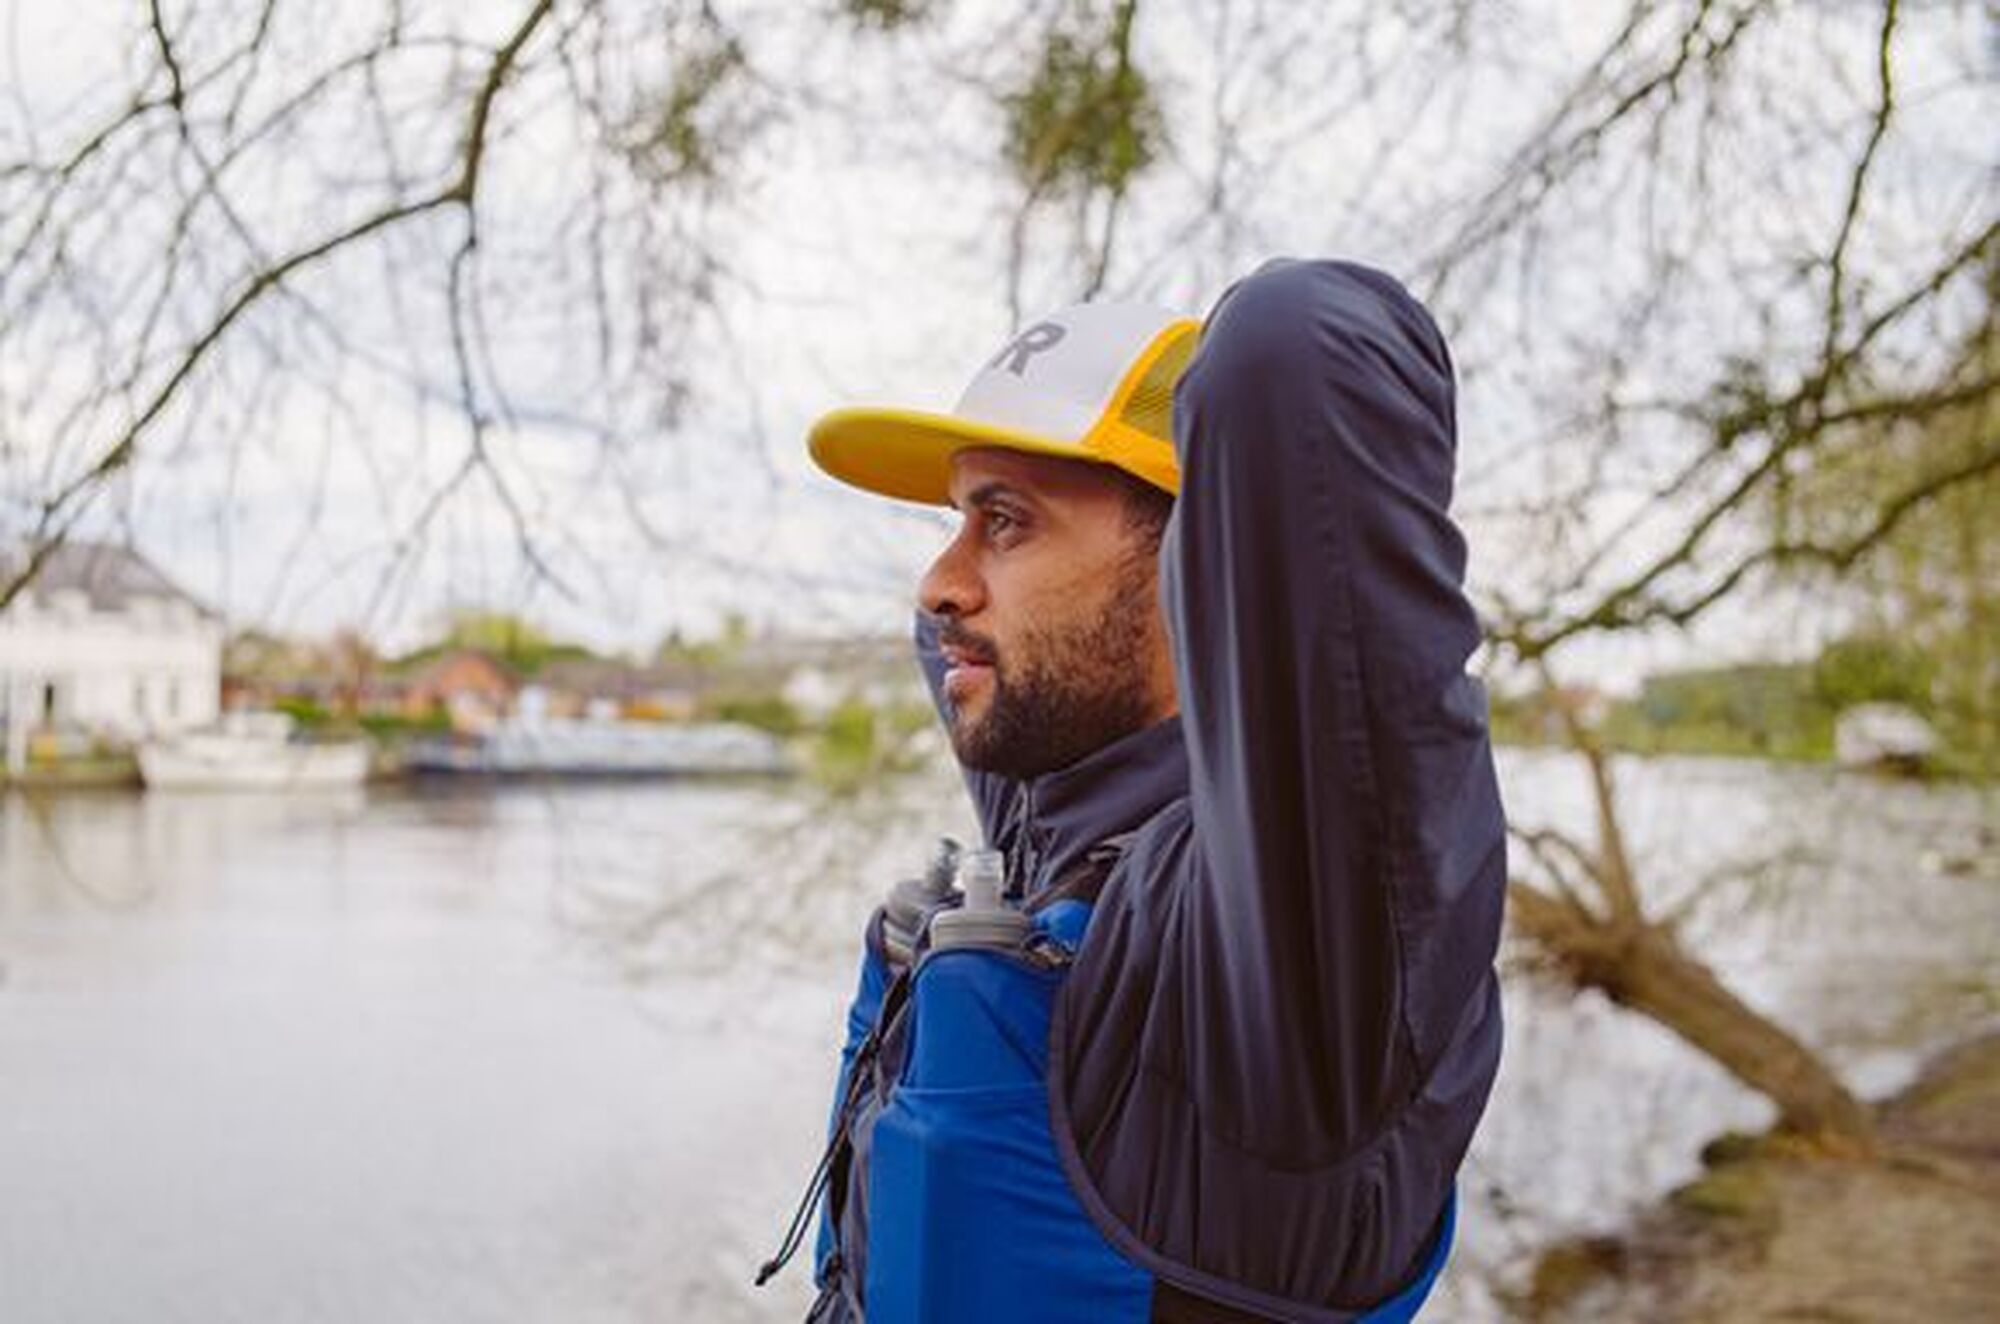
pixel 59 511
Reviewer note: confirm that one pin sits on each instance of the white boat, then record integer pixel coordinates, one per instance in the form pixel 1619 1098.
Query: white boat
pixel 589 748
pixel 1883 736
pixel 253 751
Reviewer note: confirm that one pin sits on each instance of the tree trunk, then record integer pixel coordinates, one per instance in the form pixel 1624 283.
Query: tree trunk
pixel 1642 966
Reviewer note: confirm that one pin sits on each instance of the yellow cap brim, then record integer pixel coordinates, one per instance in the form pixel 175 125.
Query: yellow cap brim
pixel 907 454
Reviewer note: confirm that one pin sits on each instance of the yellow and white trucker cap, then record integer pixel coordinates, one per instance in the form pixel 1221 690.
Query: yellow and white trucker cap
pixel 1092 382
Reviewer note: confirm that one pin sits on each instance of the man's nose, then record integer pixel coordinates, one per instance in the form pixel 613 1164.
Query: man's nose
pixel 951 587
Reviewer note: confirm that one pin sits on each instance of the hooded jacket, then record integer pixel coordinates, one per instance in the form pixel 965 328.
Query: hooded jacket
pixel 1276 1039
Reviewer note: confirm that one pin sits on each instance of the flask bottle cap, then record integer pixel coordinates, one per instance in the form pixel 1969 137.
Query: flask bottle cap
pixel 985 920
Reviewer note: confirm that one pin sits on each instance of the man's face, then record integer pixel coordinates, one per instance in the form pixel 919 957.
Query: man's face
pixel 1049 611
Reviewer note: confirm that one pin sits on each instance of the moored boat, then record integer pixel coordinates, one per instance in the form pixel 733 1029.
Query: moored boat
pixel 1884 737
pixel 587 748
pixel 253 751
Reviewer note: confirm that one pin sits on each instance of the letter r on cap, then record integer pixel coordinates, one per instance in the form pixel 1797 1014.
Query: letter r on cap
pixel 1040 336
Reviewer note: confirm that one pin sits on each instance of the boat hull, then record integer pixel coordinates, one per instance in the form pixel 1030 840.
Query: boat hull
pixel 559 748
pixel 180 766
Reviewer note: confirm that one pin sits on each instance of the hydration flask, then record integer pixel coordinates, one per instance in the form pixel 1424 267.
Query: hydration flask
pixel 985 919
pixel 912 900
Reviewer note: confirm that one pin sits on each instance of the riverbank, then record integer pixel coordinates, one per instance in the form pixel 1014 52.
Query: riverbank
pixel 1947 770
pixel 1771 1232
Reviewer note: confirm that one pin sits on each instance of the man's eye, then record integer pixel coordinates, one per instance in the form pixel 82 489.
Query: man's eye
pixel 1001 522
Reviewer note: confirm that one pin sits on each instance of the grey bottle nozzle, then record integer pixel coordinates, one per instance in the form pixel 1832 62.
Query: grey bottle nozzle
pixel 943 868
pixel 912 899
pixel 985 919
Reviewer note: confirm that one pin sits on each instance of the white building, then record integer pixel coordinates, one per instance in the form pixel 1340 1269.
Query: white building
pixel 102 643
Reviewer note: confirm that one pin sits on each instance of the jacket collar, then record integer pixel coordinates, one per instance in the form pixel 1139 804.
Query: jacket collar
pixel 1060 815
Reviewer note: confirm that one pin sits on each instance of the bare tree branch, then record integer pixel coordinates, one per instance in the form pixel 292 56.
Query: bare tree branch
pixel 1626 609
pixel 61 508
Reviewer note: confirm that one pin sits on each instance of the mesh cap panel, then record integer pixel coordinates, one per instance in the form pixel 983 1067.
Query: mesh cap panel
pixel 1150 408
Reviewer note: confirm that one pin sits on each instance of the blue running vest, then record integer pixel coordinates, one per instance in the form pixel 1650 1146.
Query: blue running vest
pixel 948 1199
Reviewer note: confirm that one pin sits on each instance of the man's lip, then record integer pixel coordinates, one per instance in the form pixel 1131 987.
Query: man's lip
pixel 962 673
pixel 954 658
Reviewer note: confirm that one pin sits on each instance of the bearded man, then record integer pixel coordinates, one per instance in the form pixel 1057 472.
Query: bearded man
pixel 1200 643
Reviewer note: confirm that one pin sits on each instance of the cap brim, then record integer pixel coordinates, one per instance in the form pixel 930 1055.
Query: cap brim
pixel 907 454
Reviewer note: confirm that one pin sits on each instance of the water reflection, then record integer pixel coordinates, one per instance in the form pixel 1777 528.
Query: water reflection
pixel 561 1052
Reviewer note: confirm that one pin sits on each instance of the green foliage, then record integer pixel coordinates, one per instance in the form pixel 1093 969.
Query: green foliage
pixel 493 632
pixel 706 654
pixel 848 735
pixel 765 711
pixel 859 742
pixel 390 727
pixel 1873 670
pixel 310 714
pixel 697 654
pixel 691 131
pixel 1087 119
pixel 517 643
pixel 1781 711
pixel 904 720
pixel 1519 719
pixel 888 15
pixel 1766 711
pixel 315 718
pixel 1737 1192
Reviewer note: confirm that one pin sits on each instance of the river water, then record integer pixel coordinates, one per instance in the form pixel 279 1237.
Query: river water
pixel 561 1053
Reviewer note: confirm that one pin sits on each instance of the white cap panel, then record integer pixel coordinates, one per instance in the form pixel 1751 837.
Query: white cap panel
pixel 1056 376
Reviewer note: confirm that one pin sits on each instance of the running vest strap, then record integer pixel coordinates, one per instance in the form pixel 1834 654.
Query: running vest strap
pixel 945 1196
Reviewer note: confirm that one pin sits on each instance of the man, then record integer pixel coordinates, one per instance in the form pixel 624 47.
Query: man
pixel 1200 644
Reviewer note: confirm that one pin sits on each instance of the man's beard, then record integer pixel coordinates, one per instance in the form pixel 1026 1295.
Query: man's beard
pixel 1060 694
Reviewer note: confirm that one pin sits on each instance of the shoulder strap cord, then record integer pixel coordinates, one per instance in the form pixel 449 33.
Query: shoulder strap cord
pixel 840 1141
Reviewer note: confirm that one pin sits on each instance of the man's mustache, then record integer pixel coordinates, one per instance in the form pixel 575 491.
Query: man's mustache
pixel 956 637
